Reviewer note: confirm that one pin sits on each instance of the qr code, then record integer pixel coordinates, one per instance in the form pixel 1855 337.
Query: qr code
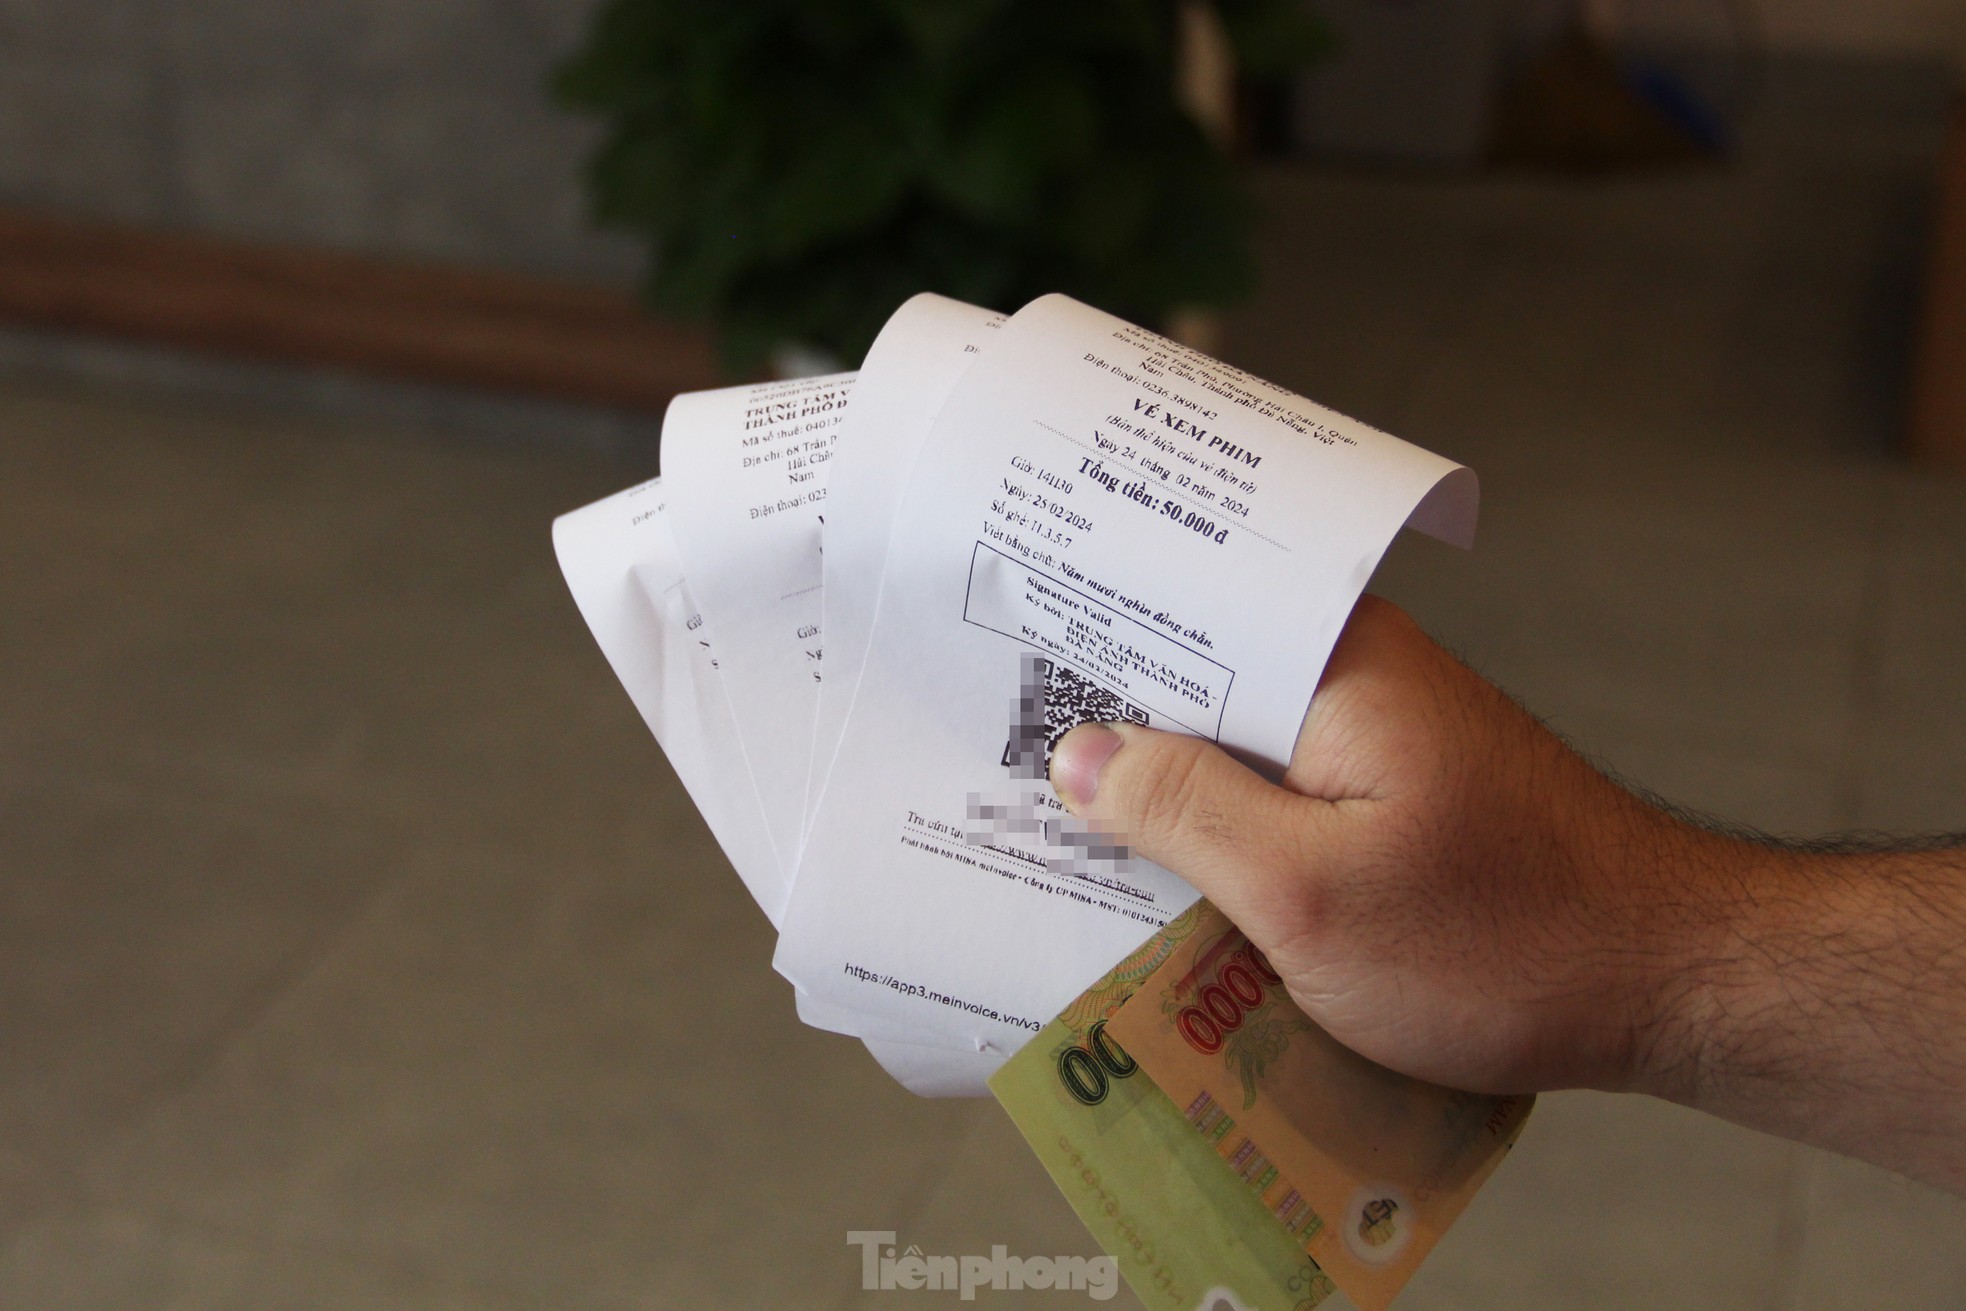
pixel 1052 699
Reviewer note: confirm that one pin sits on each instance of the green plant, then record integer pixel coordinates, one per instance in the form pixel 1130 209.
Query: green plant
pixel 800 167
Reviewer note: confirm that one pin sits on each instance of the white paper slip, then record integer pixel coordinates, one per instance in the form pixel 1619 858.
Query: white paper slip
pixel 759 458
pixel 908 373
pixel 937 1071
pixel 620 563
pixel 1101 525
pixel 744 468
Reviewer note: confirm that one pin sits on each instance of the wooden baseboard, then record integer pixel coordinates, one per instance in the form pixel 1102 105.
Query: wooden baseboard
pixel 460 326
pixel 1937 431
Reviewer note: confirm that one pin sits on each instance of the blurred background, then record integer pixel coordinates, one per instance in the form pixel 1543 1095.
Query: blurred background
pixel 357 947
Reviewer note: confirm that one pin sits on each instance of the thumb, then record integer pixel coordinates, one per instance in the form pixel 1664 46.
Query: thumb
pixel 1182 802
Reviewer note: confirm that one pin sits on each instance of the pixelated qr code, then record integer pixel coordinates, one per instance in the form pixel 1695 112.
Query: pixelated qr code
pixel 1052 699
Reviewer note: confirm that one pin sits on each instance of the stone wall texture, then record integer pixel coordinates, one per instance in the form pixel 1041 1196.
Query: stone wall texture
pixel 406 127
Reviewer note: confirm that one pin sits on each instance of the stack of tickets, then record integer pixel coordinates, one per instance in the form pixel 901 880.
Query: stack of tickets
pixel 1002 527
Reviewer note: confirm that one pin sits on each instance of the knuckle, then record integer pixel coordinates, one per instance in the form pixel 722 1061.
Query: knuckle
pixel 1375 613
pixel 1373 608
pixel 1168 784
pixel 1313 866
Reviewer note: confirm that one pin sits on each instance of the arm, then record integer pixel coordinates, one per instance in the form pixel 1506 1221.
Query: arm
pixel 1453 892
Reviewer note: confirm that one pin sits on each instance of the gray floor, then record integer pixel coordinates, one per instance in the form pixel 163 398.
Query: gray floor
pixel 358 950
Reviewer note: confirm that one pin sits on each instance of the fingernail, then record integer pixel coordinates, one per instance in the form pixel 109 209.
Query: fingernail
pixel 1077 760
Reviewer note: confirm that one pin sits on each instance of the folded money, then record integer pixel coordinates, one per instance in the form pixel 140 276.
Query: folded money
pixel 1187 1230
pixel 1366 1168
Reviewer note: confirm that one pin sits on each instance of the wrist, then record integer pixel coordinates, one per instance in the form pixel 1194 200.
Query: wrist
pixel 1829 1004
pixel 1695 901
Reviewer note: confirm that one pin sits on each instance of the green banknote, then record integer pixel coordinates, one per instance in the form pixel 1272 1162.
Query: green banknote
pixel 1366 1168
pixel 1188 1232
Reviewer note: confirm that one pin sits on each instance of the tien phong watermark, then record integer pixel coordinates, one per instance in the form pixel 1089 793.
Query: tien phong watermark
pixel 1098 1277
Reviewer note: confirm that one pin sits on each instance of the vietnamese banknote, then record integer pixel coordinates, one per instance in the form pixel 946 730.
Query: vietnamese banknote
pixel 1188 1232
pixel 1364 1168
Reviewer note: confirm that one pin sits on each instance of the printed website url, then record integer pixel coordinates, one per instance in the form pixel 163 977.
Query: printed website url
pixel 907 989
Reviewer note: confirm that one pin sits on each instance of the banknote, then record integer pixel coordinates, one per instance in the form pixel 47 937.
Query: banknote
pixel 1364 1168
pixel 1189 1233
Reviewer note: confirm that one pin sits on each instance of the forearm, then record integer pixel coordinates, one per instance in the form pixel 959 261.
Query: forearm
pixel 1825 1001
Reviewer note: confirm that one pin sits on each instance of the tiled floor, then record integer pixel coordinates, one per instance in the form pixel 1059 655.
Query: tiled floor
pixel 358 950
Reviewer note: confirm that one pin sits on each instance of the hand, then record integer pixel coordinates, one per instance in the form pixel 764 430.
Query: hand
pixel 1444 885
pixel 1453 892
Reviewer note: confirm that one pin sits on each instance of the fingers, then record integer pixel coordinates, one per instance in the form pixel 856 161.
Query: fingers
pixel 1184 803
pixel 1377 715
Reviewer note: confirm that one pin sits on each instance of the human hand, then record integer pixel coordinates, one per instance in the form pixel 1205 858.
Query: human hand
pixel 1453 892
pixel 1443 884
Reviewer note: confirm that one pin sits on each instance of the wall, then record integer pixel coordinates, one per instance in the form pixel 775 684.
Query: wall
pixel 1930 28
pixel 420 127
pixel 1918 29
pixel 416 127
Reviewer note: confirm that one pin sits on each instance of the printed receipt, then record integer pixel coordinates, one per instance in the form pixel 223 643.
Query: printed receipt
pixel 908 374
pixel 749 497
pixel 744 468
pixel 620 561
pixel 763 461
pixel 1100 524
